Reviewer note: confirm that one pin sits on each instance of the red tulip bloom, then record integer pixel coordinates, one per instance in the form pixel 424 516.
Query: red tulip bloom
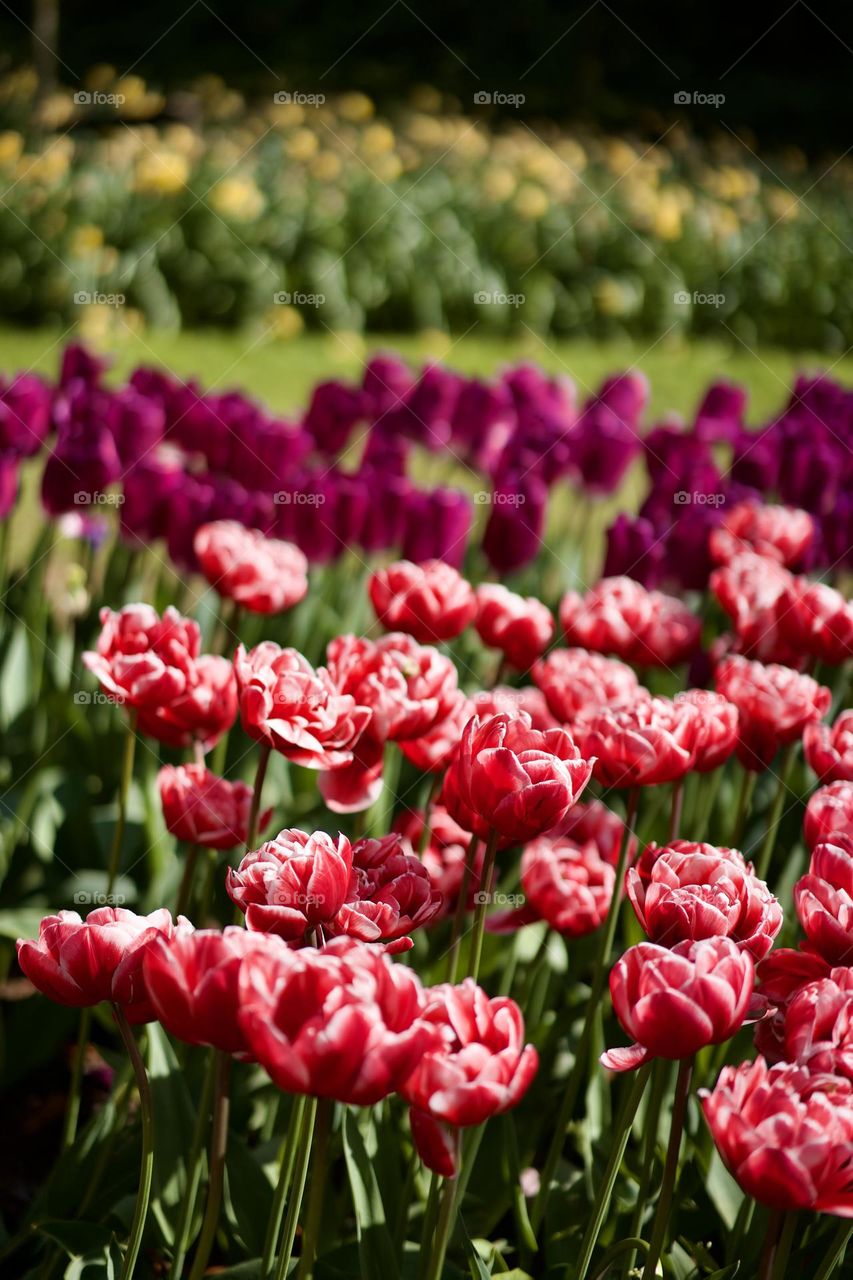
pixel 676 1002
pixel 814 1027
pixel 774 704
pixel 521 628
pixel 687 891
pixel 444 856
pixel 717 729
pixel 819 621
pixel 513 779
pixel 430 601
pixel 82 962
pixel 298 711
pixel 824 900
pixel 409 687
pixel 261 574
pixel 829 813
pixel 569 885
pixel 780 534
pixel 292 885
pixel 642 743
pixel 193 984
pixel 202 809
pixel 755 594
pixel 343 1023
pixel 202 713
pixel 592 820
pixel 829 750
pixel 619 616
pixel 481 1067
pixel 433 750
pixel 502 700
pixel 389 895
pixel 142 660
pixel 574 680
pixel 785 1134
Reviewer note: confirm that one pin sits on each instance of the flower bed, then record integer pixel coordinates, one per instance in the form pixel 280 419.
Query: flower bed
pixel 326 860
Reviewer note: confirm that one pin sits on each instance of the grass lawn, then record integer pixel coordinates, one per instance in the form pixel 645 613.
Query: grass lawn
pixel 281 373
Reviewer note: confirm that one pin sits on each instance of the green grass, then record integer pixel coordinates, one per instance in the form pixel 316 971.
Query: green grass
pixel 281 374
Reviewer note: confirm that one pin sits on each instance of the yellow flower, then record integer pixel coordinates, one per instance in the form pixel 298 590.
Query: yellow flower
pixel 531 202
pixel 612 297
pixel 667 218
pixel 86 238
pixel 498 183
pixel 237 198
pixel 302 144
pixel 284 323
pixel 287 114
pixel 377 140
pixel 11 146
pixel 386 168
pixel 783 204
pixel 325 166
pixel 426 98
pixel 355 107
pixel 161 173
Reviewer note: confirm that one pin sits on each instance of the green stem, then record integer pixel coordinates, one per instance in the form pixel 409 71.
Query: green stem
pixel 747 786
pixel 670 1168
pixel 194 1170
pixel 185 891
pixel 461 909
pixel 300 1173
pixel 835 1252
pixel 123 793
pixel 205 901
pixel 443 1231
pixel 619 1141
pixel 709 789
pixel 428 1228
pixel 286 1162
pixel 140 1212
pixel 660 1076
pixel 317 1190
pixel 432 795
pixel 216 1168
pixel 676 809
pixel 580 1065
pixel 763 864
pixel 255 809
pixel 483 898
pixel 75 1087
pixel 780 1262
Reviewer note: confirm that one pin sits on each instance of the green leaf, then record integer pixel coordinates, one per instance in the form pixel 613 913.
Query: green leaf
pixel 478 1268
pixel 725 1194
pixel 249 1195
pixel 77 1238
pixel 21 923
pixel 16 679
pixel 173 1127
pixel 378 1259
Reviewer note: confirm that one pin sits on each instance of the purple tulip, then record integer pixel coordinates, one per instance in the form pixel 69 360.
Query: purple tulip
pixel 634 550
pixel 720 415
pixel 79 470
pixel 8 482
pixel 427 413
pixel 79 365
pixel 334 412
pixel 384 524
pixel 137 424
pixel 25 414
pixel 151 488
pixel 386 384
pixel 604 446
pixel 513 532
pixel 626 395
pixel 191 508
pixel 438 526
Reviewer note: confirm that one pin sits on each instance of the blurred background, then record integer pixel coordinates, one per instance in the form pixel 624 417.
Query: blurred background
pixel 590 184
